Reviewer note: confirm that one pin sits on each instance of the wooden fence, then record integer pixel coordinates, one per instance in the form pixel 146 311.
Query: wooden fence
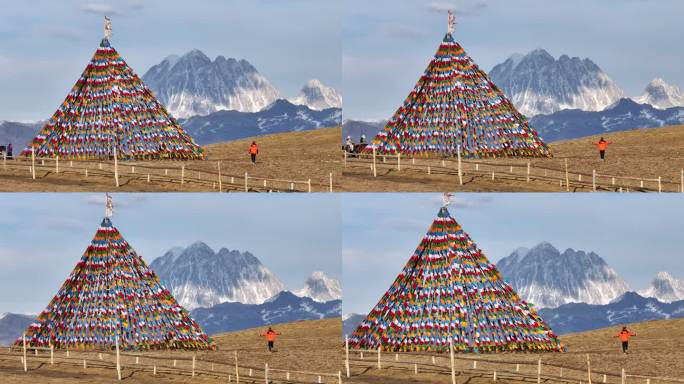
pixel 496 369
pixel 565 179
pixel 150 173
pixel 232 371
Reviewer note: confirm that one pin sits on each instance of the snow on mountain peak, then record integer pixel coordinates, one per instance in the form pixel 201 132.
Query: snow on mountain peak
pixel 199 277
pixel 665 288
pixel 193 84
pixel 317 96
pixel 661 95
pixel 321 288
pixel 537 83
pixel 548 278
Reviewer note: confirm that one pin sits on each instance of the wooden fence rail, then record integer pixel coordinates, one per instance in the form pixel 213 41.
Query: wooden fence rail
pixel 518 171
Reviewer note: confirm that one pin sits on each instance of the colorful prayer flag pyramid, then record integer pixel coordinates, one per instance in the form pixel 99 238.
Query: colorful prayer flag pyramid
pixel 455 104
pixel 449 291
pixel 109 110
pixel 110 294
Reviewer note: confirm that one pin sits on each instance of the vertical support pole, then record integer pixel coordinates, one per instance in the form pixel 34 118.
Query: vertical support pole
pixel 375 169
pixel 154 369
pixel 339 377
pixel 237 369
pixel 246 182
pixel 193 365
pixel 266 373
pixel 33 163
pixel 118 360
pixel 451 353
pixel 605 378
pixel 320 380
pixel 460 170
pixel 218 167
pixel 428 169
pixel 561 372
pixel 593 184
pixel 148 177
pixel 85 365
pixel 379 349
pixel 23 337
pixel 528 180
pixel 588 369
pixel 52 354
pixel 182 174
pixel 331 182
pixel 660 184
pixel 345 158
pixel 56 164
pixel 132 169
pixel 474 364
pixel 137 360
pixel 681 178
pixel 116 174
pixel 623 376
pixel 538 371
pixel 398 161
pixel 308 183
pixel 567 178
pixel 4 161
pixel 415 369
pixel 494 377
pixel 346 354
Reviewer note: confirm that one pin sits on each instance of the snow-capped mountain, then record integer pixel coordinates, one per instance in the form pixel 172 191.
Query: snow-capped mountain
pixel 661 95
pixel 537 83
pixel 665 288
pixel 282 308
pixel 317 96
pixel 193 84
pixel 622 116
pixel 547 278
pixel 199 277
pixel 628 308
pixel 321 288
pixel 281 116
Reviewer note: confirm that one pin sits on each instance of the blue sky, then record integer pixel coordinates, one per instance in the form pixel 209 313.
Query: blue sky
pixel 637 235
pixel 45 45
pixel 43 235
pixel 386 46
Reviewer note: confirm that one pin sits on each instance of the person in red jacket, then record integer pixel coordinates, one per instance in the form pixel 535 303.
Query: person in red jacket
pixel 271 336
pixel 624 336
pixel 602 146
pixel 253 151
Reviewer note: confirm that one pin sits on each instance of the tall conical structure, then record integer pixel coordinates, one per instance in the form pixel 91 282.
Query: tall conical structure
pixel 449 291
pixel 455 104
pixel 112 295
pixel 109 110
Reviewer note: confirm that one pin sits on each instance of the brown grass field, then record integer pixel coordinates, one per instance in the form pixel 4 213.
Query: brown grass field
pixel 312 345
pixel 641 153
pixel 297 156
pixel 656 351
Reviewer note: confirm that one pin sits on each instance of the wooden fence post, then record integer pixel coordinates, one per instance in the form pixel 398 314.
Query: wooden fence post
pixel 346 354
pixel 460 171
pixel 379 348
pixel 681 177
pixel 308 183
pixel 118 360
pixel 428 169
pixel 266 373
pixel 237 369
pixel 193 365
pixel 623 376
pixel 345 158
pixel 4 162
pixel 567 178
pixel 451 352
pixel 116 174
pixel 660 184
pixel 375 170
pixel 588 369
pixel 56 164
pixel 398 161
pixel 182 174
pixel 538 371
pixel 154 369
pixel 218 165
pixel 85 365
pixel 339 377
pixel 415 369
pixel 246 182
pixel 33 163
pixel 52 354
pixel 593 184
pixel 528 178
pixel 23 337
pixel 331 182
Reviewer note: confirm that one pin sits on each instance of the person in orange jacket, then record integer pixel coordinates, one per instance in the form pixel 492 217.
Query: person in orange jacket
pixel 270 337
pixel 602 146
pixel 253 151
pixel 624 336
